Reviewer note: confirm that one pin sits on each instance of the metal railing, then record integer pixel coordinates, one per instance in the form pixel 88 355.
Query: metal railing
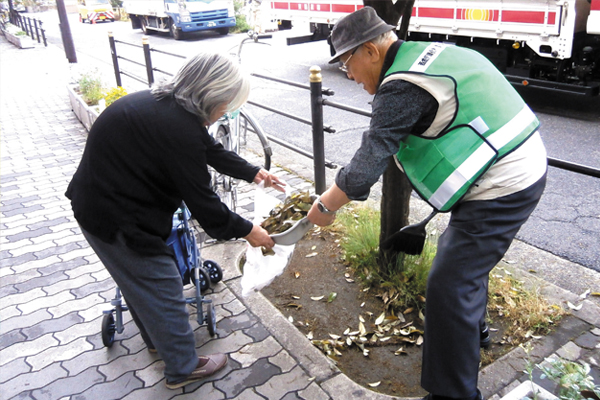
pixel 31 26
pixel 316 121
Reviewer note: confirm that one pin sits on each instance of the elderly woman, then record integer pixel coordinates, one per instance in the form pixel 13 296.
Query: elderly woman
pixel 145 154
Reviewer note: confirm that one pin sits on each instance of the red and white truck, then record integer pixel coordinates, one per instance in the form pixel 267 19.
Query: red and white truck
pixel 544 43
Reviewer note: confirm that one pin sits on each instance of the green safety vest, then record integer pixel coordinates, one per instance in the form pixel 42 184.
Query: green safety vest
pixel 480 119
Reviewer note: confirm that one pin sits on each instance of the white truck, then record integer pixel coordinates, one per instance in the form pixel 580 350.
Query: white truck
pixel 552 44
pixel 180 16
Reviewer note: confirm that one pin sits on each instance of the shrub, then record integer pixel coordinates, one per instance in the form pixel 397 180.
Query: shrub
pixel 241 24
pixel 114 94
pixel 90 86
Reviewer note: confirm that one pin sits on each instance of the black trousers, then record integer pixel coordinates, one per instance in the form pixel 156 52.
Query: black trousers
pixel 478 236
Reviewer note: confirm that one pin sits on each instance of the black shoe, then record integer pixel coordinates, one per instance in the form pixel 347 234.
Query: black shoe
pixel 484 337
pixel 430 396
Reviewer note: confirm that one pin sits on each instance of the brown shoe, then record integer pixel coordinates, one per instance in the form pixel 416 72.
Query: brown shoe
pixel 207 365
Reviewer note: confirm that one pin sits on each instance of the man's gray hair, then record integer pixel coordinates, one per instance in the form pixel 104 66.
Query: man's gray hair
pixel 204 83
pixel 384 38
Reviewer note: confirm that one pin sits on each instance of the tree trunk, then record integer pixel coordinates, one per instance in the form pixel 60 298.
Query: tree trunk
pixel 396 190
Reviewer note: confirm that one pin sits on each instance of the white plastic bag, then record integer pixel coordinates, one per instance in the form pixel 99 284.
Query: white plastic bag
pixel 260 270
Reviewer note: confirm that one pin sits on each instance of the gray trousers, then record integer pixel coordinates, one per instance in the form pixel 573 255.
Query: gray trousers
pixel 478 236
pixel 153 290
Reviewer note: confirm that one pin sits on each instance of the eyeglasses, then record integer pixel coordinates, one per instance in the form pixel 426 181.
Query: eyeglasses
pixel 344 66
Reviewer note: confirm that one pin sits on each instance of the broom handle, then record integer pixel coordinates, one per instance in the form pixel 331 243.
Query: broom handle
pixel 430 216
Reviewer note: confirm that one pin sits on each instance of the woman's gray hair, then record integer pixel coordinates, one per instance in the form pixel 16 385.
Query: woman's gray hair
pixel 204 83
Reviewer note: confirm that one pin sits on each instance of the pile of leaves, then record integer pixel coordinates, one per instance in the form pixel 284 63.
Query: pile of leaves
pixel 283 217
pixel 389 329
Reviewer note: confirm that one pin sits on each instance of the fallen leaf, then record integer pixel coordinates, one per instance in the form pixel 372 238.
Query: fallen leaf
pixel 311 255
pixel 349 280
pixel 317 298
pixel 400 351
pixel 314 247
pixel 291 319
pixel 346 331
pixel 334 337
pixel 295 297
pixel 361 329
pixel 574 307
pixel 297 275
pixel 361 319
pixel 311 379
pixel 585 294
pixel 331 297
pixel 374 384
pixel 310 335
pixel 380 319
pixel 362 304
pixel 408 310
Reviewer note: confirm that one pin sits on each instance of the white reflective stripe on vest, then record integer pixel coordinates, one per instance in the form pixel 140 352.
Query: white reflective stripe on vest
pixel 430 53
pixel 481 156
pixel 512 128
pixel 461 175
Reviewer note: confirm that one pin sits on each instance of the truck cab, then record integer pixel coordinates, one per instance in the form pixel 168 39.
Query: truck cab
pixel 181 16
pixel 94 11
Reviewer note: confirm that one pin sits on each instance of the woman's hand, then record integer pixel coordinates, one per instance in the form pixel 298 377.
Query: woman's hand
pixel 259 237
pixel 269 180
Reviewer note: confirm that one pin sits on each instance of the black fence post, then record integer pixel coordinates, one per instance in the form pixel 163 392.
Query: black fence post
pixel 30 27
pixel 148 58
pixel 316 108
pixel 37 31
pixel 113 52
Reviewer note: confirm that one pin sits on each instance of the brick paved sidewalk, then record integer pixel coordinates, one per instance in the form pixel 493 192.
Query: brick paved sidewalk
pixel 53 289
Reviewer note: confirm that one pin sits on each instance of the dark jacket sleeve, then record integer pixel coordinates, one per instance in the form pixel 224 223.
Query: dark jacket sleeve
pixel 400 108
pixel 189 150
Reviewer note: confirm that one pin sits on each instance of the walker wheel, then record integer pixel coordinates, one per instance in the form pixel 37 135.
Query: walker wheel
pixel 108 330
pixel 214 271
pixel 203 278
pixel 211 320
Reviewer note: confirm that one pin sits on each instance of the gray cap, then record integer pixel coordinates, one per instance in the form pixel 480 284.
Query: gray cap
pixel 355 29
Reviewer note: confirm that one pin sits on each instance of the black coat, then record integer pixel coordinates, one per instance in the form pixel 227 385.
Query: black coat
pixel 141 159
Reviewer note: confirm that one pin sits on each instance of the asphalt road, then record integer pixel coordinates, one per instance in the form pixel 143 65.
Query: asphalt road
pixel 567 221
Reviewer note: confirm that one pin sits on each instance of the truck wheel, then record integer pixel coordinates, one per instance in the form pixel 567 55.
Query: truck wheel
pixel 145 29
pixel 223 31
pixel 81 19
pixel 175 32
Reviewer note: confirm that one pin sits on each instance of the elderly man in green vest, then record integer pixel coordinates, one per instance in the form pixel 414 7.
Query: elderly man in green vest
pixel 468 144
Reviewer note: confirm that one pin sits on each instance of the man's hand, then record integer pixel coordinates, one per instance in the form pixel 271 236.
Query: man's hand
pixel 333 199
pixel 269 180
pixel 258 236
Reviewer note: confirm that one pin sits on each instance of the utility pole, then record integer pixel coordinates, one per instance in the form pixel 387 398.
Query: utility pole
pixel 65 32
